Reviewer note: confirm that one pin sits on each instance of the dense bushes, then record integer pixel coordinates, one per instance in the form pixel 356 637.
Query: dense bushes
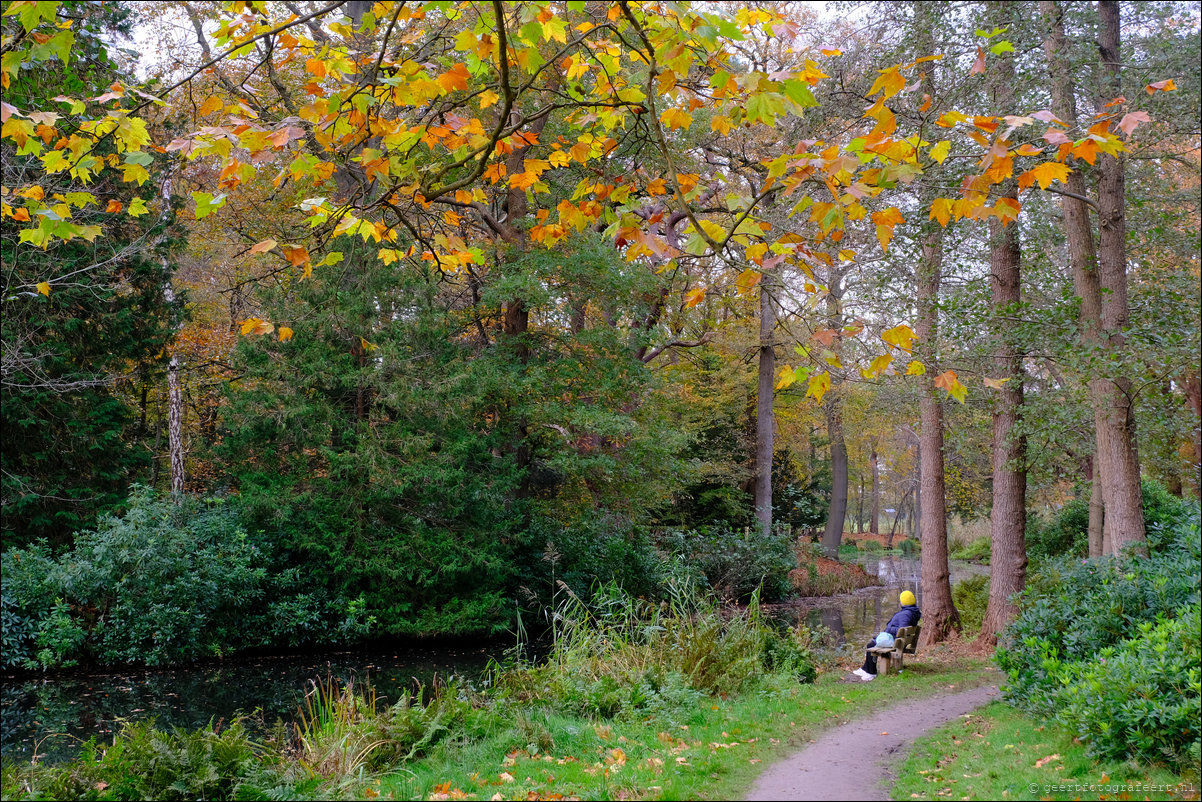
pixel 1090 631
pixel 1067 532
pixel 166 583
pixel 971 597
pixel 736 563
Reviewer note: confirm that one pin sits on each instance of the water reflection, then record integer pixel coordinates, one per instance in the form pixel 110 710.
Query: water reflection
pixel 55 714
pixel 856 617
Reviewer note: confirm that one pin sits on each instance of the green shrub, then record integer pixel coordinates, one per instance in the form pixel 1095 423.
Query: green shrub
pixel 871 547
pixel 165 583
pixel 971 597
pixel 910 547
pixel 1067 532
pixel 1085 623
pixel 737 563
pixel 1139 699
pixel 978 551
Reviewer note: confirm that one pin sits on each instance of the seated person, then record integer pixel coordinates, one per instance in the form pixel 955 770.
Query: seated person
pixel 907 616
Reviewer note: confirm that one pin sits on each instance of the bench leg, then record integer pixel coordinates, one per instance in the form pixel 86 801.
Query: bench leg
pixel 883 665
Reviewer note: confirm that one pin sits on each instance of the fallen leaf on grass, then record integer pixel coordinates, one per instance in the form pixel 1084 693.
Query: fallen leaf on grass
pixel 1043 761
pixel 505 777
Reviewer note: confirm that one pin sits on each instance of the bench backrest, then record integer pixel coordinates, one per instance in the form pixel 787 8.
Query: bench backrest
pixel 907 639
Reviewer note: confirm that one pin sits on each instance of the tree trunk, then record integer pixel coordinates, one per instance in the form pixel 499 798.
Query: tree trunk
pixel 1082 255
pixel 1008 521
pixel 876 492
pixel 763 417
pixel 1096 510
pixel 1193 401
pixel 832 538
pixel 1124 524
pixel 860 506
pixel 939 616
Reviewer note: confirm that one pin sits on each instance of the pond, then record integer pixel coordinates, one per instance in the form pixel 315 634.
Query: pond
pixel 54 714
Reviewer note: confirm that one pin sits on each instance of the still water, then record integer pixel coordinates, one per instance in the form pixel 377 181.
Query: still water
pixel 56 713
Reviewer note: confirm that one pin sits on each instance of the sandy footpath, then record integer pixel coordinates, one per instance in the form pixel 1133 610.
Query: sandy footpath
pixel 858 759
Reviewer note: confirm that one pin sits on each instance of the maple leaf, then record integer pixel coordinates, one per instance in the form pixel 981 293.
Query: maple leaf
pixel 694 297
pixel 941 210
pixel 285 334
pixel 747 280
pixel 1132 119
pixel 454 78
pixel 902 337
pixel 978 66
pixel 940 150
pixel 1161 86
pixel 915 368
pixel 995 384
pixel 1044 174
pixel 44 288
pixel 878 366
pixel 948 381
pixel 296 255
pixel 113 207
pixel 818 386
pixel 675 118
pixel 787 378
pixel 254 325
pixel 211 104
pixel 263 247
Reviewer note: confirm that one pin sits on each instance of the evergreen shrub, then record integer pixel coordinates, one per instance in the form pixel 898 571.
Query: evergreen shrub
pixel 1090 631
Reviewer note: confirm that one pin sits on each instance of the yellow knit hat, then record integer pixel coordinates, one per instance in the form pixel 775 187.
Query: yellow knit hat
pixel 907 598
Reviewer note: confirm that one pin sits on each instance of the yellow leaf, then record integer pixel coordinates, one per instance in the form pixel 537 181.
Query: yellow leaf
pixel 915 368
pixel 995 384
pixel 488 98
pixel 264 246
pixel 878 366
pixel 1161 86
pixel 675 118
pixel 1044 174
pixel 256 325
pixel 34 192
pixel 44 288
pixel 940 151
pixel 212 104
pixel 366 345
pixel 787 377
pixel 285 334
pixel 316 66
pixel 747 280
pixel 721 124
pixel 694 297
pixel 819 385
pixel 900 336
pixel 941 210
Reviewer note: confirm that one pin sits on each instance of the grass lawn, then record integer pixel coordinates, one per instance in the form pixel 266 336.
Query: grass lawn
pixel 714 753
pixel 1000 753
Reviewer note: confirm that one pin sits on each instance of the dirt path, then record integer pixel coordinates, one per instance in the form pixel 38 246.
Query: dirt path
pixel 858 760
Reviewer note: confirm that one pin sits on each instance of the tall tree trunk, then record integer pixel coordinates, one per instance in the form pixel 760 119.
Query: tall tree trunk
pixel 1124 524
pixel 939 615
pixel 1082 254
pixel 860 506
pixel 1193 401
pixel 876 492
pixel 763 414
pixel 832 537
pixel 1008 521
pixel 1096 509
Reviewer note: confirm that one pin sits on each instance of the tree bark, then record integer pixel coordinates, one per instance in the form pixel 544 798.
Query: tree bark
pixel 1008 521
pixel 1193 401
pixel 1124 524
pixel 832 537
pixel 763 417
pixel 876 492
pixel 1082 254
pixel 1096 510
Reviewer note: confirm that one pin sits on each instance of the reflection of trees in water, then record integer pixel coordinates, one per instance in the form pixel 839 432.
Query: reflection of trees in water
pixel 73 708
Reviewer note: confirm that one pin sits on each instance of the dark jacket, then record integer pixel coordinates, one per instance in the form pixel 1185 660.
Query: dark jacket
pixel 907 616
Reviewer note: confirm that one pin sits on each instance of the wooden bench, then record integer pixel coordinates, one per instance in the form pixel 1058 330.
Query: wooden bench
pixel 889 658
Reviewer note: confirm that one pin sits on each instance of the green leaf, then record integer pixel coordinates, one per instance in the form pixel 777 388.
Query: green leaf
pixel 206 204
pixel 799 93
